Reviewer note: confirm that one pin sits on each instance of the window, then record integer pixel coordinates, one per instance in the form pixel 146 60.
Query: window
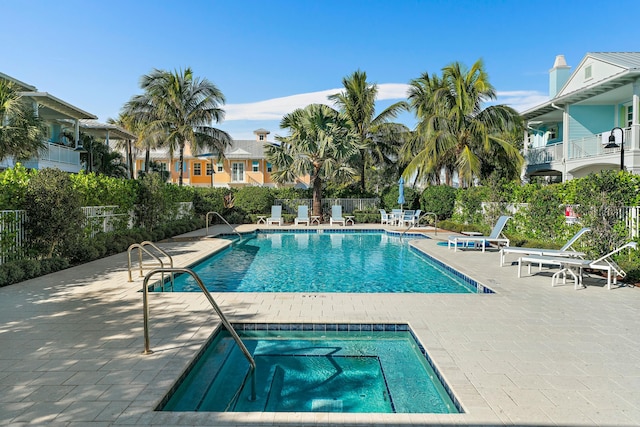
pixel 255 166
pixel 269 167
pixel 237 172
pixel 629 115
pixel 209 169
pixel 552 133
pixel 220 166
pixel 261 137
pixel 197 169
pixel 587 72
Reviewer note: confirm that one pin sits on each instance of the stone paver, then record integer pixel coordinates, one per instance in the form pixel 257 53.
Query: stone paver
pixel 71 345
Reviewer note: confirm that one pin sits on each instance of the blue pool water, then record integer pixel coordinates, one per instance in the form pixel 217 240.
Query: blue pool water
pixel 321 262
pixel 313 371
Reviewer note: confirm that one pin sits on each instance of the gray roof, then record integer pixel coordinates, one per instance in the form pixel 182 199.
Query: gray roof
pixel 628 60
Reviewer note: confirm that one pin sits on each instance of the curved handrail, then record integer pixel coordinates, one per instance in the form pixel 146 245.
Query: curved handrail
pixel 225 221
pixel 225 322
pixel 141 247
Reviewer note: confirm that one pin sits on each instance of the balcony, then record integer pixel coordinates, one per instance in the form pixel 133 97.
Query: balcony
pixel 56 156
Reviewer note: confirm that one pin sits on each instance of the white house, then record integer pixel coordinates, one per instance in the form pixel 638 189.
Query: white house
pixel 591 112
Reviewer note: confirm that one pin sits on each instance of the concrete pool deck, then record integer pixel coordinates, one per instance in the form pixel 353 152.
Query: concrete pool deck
pixel 71 345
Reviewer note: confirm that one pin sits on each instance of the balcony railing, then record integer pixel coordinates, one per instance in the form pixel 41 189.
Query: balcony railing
pixel 541 155
pixel 582 148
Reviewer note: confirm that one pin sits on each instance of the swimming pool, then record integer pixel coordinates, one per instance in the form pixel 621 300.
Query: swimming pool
pixel 315 368
pixel 323 262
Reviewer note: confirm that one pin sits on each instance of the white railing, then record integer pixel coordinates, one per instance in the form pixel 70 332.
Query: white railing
pixel 60 154
pixel 593 146
pixel 12 237
pixel 541 155
pixel 290 206
pixel 631 215
pixel 100 219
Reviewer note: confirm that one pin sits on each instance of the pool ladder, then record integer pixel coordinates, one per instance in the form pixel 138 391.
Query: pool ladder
pixel 225 322
pixel 141 248
pixel 233 229
pixel 435 218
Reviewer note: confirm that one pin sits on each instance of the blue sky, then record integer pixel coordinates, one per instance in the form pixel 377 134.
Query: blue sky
pixel 269 57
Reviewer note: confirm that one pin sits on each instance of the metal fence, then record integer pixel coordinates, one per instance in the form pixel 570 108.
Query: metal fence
pixel 290 206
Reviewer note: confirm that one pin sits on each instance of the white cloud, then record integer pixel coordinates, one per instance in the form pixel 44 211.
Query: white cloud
pixel 274 109
pixel 522 100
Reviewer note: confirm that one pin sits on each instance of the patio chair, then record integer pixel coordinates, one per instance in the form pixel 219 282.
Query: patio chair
pixel 565 250
pixel 408 217
pixel 336 215
pixel 575 266
pixel 276 215
pixel 396 215
pixel 303 215
pixel 479 240
pixel 385 218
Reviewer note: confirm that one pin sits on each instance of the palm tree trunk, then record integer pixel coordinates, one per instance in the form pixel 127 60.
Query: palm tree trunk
pixel 147 159
pixel 362 154
pixel 181 164
pixel 130 158
pixel 317 194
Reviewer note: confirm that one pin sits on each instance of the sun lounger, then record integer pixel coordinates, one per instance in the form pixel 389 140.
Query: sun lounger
pixel 303 215
pixel 564 251
pixel 276 215
pixel 336 215
pixel 575 266
pixel 496 237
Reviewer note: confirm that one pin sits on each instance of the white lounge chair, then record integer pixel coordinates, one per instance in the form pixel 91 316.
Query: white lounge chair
pixel 276 215
pixel 336 215
pixel 303 215
pixel 575 266
pixel 565 250
pixel 494 237
pixel 385 218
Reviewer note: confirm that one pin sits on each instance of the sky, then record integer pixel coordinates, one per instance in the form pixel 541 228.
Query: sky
pixel 269 57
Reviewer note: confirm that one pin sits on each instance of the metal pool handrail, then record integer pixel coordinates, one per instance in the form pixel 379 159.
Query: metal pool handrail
pixel 225 322
pixel 141 247
pixel 225 221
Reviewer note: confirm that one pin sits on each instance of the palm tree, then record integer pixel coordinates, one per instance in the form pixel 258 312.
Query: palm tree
pixel 454 130
pixel 319 144
pixel 127 122
pixel 22 132
pixel 375 136
pixel 177 109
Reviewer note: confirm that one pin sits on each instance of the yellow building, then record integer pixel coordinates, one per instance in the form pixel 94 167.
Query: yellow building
pixel 244 164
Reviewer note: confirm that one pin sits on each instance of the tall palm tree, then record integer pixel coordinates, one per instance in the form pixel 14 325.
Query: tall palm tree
pixel 454 129
pixel 319 144
pixel 22 132
pixel 375 136
pixel 178 109
pixel 127 122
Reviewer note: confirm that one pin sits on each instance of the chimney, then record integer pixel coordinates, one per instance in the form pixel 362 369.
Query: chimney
pixel 558 75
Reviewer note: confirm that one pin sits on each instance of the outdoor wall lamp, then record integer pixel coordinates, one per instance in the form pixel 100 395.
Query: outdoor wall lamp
pixel 612 144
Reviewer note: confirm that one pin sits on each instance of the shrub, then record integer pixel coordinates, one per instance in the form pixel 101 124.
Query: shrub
pixel 30 268
pixel 439 199
pixel 51 265
pixel 54 217
pixel 11 273
pixel 389 198
pixel 254 200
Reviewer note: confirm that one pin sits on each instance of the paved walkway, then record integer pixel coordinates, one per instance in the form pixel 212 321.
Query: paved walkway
pixel 71 344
